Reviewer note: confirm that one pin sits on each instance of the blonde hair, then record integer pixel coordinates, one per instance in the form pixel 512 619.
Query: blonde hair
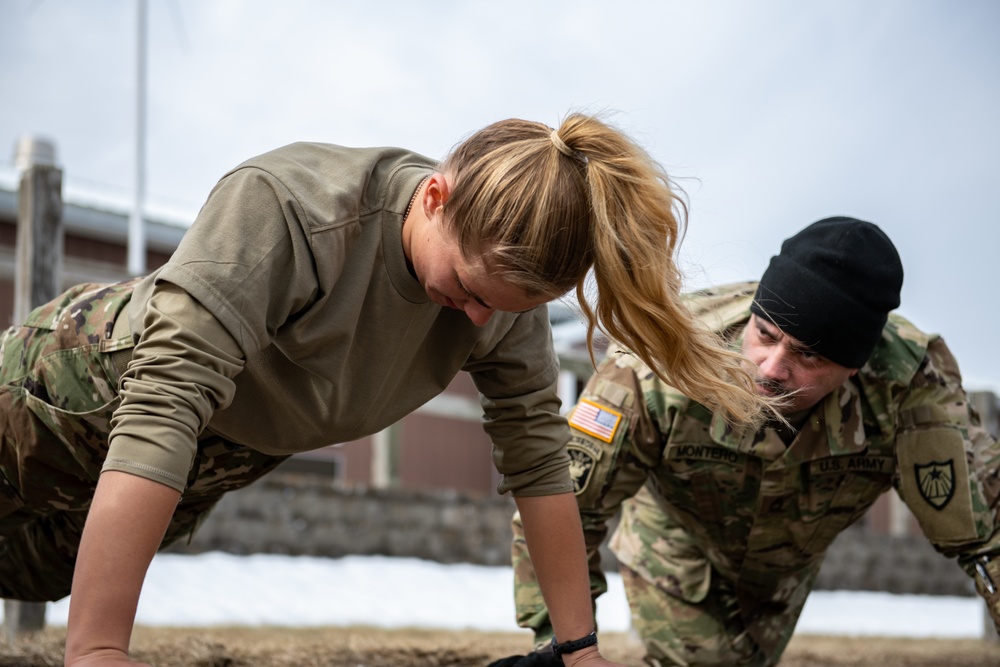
pixel 543 206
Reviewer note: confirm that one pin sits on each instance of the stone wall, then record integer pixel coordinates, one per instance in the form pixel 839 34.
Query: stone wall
pixel 864 561
pixel 307 515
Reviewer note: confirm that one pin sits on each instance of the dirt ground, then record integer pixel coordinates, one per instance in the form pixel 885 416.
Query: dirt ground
pixel 366 647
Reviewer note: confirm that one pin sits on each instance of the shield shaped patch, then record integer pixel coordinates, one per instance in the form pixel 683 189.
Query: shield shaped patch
pixel 936 481
pixel 581 465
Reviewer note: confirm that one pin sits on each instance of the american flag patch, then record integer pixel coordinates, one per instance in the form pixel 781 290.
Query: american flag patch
pixel 595 420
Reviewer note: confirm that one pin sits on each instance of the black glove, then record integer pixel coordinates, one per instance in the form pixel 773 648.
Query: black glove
pixel 533 659
pixel 509 661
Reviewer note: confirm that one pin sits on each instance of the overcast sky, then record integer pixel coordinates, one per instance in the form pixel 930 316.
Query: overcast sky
pixel 770 113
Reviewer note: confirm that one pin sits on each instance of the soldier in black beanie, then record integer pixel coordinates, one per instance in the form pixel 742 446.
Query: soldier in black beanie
pixel 723 531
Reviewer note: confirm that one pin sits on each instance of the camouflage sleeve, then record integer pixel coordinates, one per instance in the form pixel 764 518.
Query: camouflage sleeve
pixel 611 434
pixel 949 470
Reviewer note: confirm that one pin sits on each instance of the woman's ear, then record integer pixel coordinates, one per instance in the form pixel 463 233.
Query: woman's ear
pixel 436 194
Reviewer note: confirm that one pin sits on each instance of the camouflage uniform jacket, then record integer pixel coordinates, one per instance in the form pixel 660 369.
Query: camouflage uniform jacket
pixel 764 513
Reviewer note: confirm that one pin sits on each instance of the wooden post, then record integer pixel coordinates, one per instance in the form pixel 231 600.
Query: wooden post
pixel 22 618
pixel 985 403
pixel 36 281
pixel 385 458
pixel 39 239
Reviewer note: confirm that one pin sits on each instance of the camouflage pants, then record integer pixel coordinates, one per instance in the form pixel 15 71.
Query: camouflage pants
pixel 58 391
pixel 685 612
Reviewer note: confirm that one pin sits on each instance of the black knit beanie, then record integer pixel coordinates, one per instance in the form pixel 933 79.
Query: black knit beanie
pixel 832 287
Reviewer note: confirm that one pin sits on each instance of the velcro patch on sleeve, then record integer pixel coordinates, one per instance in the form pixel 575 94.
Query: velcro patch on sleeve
pixel 934 479
pixel 595 420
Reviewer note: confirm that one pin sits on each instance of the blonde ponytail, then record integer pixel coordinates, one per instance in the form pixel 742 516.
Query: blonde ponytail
pixel 543 206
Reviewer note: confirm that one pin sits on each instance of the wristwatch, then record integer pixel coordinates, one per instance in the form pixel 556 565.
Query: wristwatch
pixel 574 645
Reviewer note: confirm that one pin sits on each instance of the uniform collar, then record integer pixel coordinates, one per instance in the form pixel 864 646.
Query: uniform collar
pixel 834 427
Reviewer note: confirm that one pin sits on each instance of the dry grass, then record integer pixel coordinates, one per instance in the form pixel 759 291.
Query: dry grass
pixel 367 647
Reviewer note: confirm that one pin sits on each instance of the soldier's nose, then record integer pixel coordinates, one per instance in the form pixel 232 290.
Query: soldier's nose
pixel 774 367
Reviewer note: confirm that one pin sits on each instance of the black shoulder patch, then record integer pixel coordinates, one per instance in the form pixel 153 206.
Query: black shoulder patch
pixel 936 482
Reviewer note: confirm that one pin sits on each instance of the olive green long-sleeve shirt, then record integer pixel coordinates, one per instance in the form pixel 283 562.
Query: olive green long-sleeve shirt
pixel 287 320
